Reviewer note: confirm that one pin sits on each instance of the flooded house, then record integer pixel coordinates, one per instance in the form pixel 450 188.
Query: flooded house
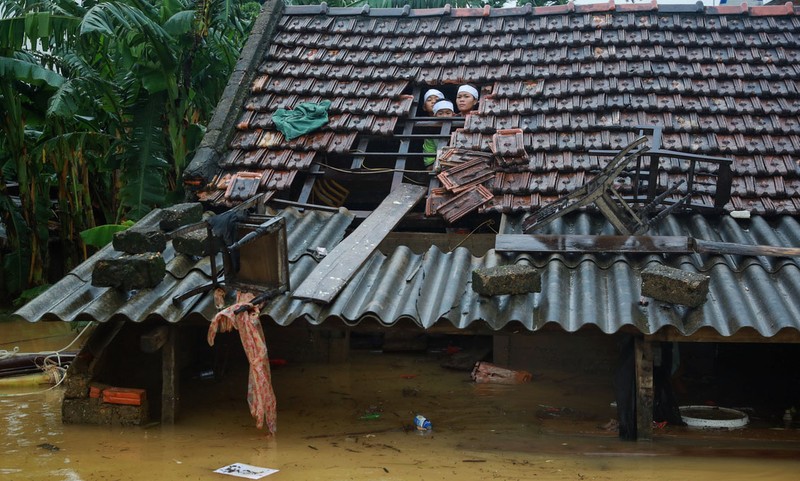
pixel 628 177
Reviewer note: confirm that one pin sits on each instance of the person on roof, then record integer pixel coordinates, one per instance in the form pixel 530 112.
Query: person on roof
pixel 442 108
pixel 466 99
pixel 429 100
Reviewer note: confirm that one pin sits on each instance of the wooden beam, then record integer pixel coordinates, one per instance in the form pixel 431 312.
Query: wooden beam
pixel 358 160
pixel 591 243
pixel 308 185
pixel 643 357
pixel 154 340
pixel 337 268
pixel 170 392
pixel 709 334
pixel 633 244
pixel 478 244
pixel 400 161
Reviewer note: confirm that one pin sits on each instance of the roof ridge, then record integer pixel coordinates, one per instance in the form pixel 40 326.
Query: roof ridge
pixel 527 9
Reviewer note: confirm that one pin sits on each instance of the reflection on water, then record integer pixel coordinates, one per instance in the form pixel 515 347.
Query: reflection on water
pixel 542 430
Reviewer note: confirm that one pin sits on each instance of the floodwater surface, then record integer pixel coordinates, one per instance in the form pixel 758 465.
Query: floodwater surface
pixel 353 421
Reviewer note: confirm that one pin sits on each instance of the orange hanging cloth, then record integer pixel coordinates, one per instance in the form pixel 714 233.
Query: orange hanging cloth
pixel 260 396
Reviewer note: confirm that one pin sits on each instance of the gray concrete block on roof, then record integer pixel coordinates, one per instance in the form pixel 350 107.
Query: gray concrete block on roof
pixel 180 215
pixel 140 239
pixel 138 271
pixel 669 284
pixel 500 280
pixel 194 243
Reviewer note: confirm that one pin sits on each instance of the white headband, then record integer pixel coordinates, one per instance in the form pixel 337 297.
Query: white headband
pixel 442 104
pixel 433 92
pixel 469 89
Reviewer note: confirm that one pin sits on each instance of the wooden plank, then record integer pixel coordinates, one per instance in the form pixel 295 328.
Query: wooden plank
pixel 711 247
pixel 643 357
pixel 400 161
pixel 633 244
pixel 338 267
pixel 169 378
pixel 420 242
pixel 591 243
pixel 308 185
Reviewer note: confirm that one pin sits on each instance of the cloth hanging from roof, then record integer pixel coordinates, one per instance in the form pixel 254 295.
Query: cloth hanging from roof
pixel 260 396
pixel 306 117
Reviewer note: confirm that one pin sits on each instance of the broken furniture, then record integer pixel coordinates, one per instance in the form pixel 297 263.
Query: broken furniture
pixel 627 181
pixel 254 254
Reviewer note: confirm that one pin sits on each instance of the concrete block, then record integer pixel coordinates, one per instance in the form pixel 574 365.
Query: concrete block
pixel 94 411
pixel 140 239
pixel 180 215
pixel 138 271
pixel 193 243
pixel 76 386
pixel 673 285
pixel 85 411
pixel 511 279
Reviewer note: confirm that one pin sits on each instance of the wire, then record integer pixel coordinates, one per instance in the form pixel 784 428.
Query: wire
pixel 489 222
pixel 374 171
pixel 405 177
pixel 52 364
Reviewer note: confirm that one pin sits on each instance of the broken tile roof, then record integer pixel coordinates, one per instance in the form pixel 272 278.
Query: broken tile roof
pixel 719 81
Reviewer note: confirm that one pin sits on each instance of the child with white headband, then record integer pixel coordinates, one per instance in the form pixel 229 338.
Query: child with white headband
pixel 466 99
pixel 429 100
pixel 443 108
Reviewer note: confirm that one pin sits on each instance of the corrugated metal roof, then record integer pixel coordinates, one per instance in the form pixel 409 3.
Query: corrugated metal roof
pixel 73 298
pixel 425 288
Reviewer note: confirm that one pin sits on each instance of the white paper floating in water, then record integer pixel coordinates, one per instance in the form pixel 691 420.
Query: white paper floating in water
pixel 248 471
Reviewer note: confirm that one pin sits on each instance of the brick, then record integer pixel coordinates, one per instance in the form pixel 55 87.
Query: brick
pixel 675 286
pixel 512 279
pixel 194 243
pixel 136 271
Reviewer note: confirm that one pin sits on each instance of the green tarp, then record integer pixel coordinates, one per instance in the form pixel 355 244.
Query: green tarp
pixel 306 117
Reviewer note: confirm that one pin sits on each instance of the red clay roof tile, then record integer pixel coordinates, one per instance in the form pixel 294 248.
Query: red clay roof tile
pixel 719 84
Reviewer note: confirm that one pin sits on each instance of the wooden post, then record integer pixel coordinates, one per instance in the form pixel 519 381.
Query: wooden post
pixel 501 349
pixel 338 345
pixel 643 356
pixel 170 393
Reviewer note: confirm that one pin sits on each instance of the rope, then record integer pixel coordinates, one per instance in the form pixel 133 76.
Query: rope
pixel 52 364
pixel 6 354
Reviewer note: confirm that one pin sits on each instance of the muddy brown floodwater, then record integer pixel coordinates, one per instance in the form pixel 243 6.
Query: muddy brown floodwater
pixel 545 430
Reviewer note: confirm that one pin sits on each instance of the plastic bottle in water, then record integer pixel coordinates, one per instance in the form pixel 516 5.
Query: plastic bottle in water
pixel 422 423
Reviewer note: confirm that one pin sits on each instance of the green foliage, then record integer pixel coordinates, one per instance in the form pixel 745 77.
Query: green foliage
pixel 144 166
pixel 102 235
pixel 101 106
pixel 28 72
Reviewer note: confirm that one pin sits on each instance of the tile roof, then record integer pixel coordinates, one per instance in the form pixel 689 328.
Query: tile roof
pixel 719 81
